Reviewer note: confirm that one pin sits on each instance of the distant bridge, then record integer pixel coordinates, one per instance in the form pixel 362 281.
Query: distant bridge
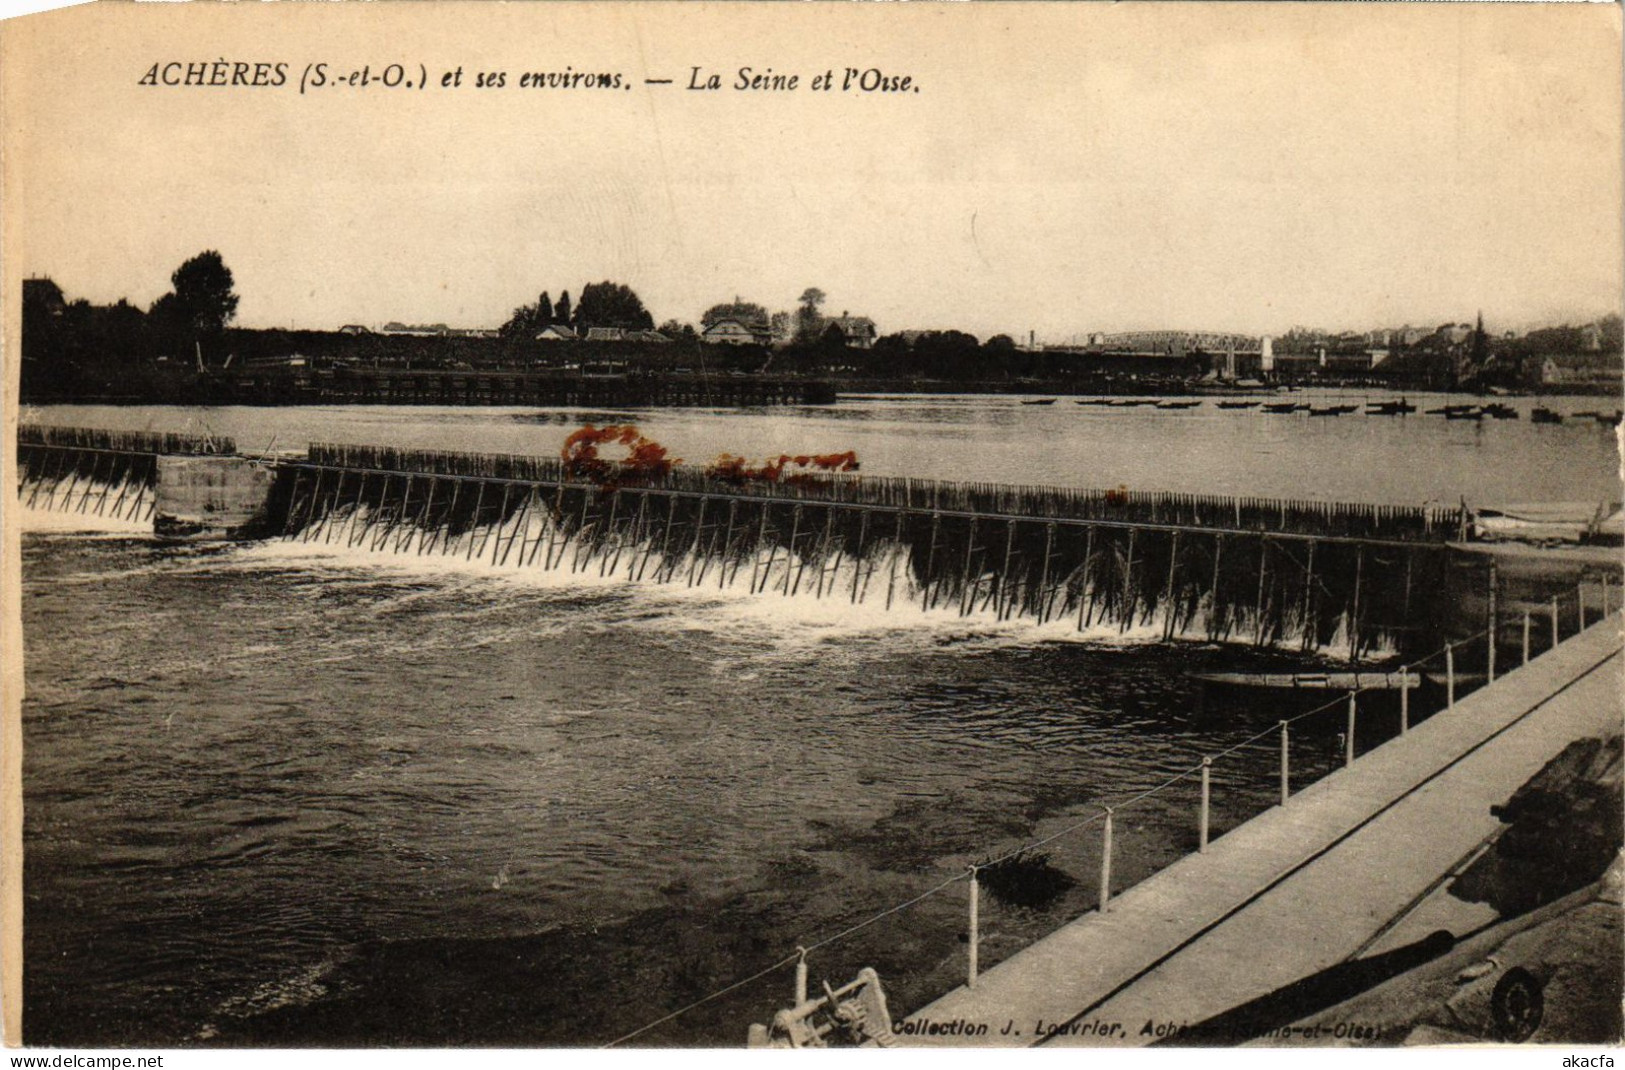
pixel 1167 343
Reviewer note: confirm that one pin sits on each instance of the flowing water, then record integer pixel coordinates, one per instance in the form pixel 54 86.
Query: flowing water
pixel 292 793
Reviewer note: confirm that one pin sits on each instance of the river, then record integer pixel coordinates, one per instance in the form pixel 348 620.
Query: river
pixel 284 793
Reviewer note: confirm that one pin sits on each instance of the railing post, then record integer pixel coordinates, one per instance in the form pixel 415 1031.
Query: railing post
pixel 1449 675
pixel 1286 765
pixel 1106 862
pixel 1348 747
pixel 1202 815
pixel 1555 632
pixel 1404 699
pixel 1526 637
pixel 1492 633
pixel 801 977
pixel 975 933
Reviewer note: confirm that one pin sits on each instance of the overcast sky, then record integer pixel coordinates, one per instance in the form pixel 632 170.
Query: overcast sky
pixel 1062 168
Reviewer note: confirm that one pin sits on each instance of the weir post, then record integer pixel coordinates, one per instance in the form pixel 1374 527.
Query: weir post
pixel 1404 699
pixel 1045 595
pixel 1554 622
pixel 966 597
pixel 896 553
pixel 1286 764
pixel 609 528
pixel 857 556
pixel 1086 596
pixel 973 934
pixel 521 528
pixel 1106 862
pixel 927 601
pixel 1202 814
pixel 1258 604
pixel 1213 591
pixel 1001 597
pixel 1580 602
pixel 699 533
pixel 801 976
pixel 789 556
pixel 479 505
pixel 1168 595
pixel 1526 636
pixel 1354 612
pixel 1126 618
pixel 761 537
pixel 1309 635
pixel 332 506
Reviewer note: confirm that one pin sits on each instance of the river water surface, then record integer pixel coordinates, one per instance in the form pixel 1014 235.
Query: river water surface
pixel 283 793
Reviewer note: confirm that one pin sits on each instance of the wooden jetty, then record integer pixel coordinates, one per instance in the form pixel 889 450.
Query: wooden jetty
pixel 404 386
pixel 1315 880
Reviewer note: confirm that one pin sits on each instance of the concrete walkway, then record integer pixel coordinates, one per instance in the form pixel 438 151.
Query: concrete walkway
pixel 1297 889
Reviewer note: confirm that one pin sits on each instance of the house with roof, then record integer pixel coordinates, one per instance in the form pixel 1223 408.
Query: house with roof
pixel 858 331
pixel 557 332
pixel 737 333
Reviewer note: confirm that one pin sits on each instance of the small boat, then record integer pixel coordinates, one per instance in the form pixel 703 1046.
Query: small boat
pixel 1178 404
pixel 1311 681
pixel 1237 404
pixel 1466 412
pixel 1281 406
pixel 1132 402
pixel 1500 411
pixel 1543 415
pixel 1389 408
pixel 1095 401
pixel 1040 401
pixel 1331 410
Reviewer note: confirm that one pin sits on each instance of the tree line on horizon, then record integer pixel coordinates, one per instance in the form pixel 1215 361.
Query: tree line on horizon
pixel 73 347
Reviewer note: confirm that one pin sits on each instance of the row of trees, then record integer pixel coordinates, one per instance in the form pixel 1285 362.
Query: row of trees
pixel 602 304
pixel 611 304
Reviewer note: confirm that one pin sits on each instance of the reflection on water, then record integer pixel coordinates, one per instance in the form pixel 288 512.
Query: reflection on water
pixel 1201 450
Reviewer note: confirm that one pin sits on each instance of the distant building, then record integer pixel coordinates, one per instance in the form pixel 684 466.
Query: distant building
pixel 606 334
pixel 859 331
pixel 737 333
pixel 44 294
pixel 1591 337
pixel 557 332
pixel 648 336
pixel 1587 369
pixel 353 328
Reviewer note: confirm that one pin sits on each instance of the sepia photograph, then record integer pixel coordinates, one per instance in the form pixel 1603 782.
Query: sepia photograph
pixel 946 526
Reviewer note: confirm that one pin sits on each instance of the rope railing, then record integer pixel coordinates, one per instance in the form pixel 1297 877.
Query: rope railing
pixel 1104 816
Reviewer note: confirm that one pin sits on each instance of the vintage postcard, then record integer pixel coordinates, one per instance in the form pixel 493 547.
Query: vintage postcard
pixel 714 526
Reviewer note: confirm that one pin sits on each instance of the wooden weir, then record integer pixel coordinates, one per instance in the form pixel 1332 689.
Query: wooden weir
pixel 1270 573
pixel 1309 575
pixel 98 473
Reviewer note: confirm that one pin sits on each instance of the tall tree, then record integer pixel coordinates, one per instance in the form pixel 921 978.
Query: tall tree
pixel 203 297
pixel 544 310
pixel 561 311
pixel 746 312
pixel 809 320
pixel 611 304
